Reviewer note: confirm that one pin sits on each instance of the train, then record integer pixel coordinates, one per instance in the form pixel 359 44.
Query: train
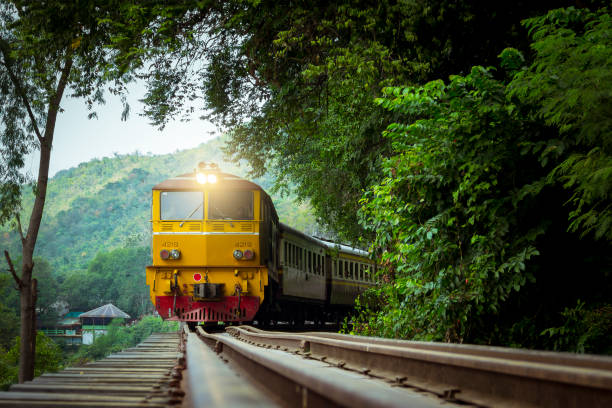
pixel 220 254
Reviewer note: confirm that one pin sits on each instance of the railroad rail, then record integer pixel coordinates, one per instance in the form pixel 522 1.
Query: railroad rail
pixel 289 379
pixel 248 367
pixel 463 374
pixel 148 375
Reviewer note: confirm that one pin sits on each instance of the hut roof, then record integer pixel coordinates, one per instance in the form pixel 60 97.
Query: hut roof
pixel 108 310
pixel 70 319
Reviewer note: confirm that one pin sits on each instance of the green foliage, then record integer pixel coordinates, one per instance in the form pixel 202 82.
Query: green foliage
pixel 444 214
pixel 469 220
pixel 48 359
pixel 569 86
pixel 120 337
pixel 112 277
pixel 583 330
pixel 9 326
pixel 39 43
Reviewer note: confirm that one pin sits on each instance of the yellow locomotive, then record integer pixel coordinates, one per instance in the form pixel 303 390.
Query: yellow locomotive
pixel 220 254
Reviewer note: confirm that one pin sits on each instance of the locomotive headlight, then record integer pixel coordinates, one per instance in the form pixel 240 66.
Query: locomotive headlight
pixel 202 179
pixel 164 254
pixel 212 178
pixel 248 254
pixel 175 254
pixel 238 254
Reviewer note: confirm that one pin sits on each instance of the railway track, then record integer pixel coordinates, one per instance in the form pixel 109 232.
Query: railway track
pixel 403 373
pixel 147 375
pixel 248 367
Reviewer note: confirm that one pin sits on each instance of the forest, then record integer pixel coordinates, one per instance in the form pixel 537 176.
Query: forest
pixel 467 144
pixel 95 237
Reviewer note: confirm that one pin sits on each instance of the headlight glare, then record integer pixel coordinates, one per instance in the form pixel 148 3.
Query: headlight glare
pixel 201 178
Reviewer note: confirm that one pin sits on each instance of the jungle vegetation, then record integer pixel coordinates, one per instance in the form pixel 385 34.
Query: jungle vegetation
pixel 468 142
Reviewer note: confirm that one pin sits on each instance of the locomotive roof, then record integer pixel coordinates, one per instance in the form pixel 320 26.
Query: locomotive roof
pixel 188 182
pixel 345 249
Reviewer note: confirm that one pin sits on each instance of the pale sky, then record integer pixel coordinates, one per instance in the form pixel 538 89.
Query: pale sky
pixel 78 139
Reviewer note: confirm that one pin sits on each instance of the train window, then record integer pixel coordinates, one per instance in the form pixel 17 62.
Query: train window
pixel 182 205
pixel 285 253
pixel 230 205
pixel 309 261
pixel 301 258
pixel 321 265
pixel 346 269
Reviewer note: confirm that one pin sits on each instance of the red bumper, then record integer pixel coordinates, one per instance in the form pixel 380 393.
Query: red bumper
pixel 228 309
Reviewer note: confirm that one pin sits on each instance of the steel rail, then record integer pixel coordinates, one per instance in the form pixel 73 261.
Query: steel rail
pixel 147 375
pixel 549 357
pixel 490 376
pixel 210 383
pixel 295 381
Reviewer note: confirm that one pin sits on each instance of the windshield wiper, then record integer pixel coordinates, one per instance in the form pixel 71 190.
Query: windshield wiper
pixel 193 212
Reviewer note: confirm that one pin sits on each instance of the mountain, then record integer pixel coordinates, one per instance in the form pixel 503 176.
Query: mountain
pixel 104 204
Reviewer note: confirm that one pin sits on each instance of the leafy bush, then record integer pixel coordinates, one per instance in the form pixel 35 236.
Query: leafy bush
pixel 445 213
pixel 48 359
pixel 583 330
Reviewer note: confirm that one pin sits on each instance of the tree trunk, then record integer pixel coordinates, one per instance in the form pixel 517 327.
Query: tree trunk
pixel 27 295
pixel 26 355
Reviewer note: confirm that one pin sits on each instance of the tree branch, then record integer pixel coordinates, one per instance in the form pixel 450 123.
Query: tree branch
pixel 19 228
pixel 12 269
pixel 8 62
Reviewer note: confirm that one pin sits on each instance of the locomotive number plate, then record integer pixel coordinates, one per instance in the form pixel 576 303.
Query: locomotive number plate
pixel 243 244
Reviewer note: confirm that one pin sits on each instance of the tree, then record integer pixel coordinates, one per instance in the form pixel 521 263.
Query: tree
pixel 112 277
pixel 569 84
pixel 45 49
pixel 295 81
pixel 471 228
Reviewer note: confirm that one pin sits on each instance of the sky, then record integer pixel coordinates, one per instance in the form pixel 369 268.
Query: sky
pixel 78 139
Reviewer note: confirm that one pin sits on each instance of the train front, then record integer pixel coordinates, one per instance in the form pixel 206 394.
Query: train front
pixel 206 248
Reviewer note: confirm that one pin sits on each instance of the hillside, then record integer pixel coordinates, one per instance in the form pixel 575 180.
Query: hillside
pixel 104 204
